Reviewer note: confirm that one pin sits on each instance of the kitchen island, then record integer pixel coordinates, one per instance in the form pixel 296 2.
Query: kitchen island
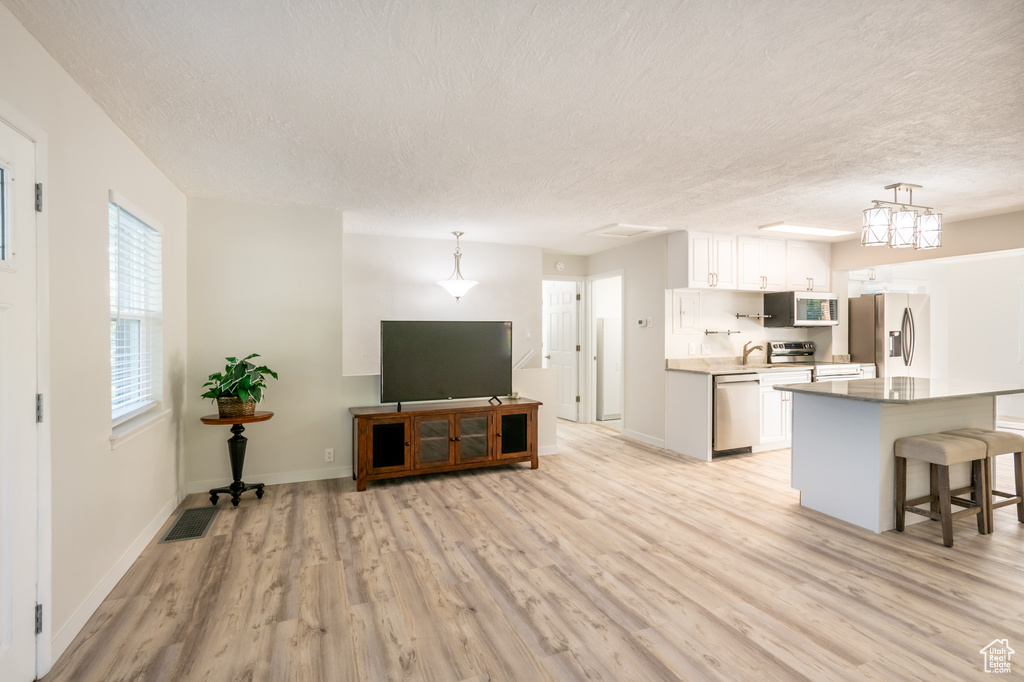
pixel 843 434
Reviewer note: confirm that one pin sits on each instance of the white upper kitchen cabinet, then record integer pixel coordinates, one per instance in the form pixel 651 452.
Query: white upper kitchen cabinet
pixel 762 264
pixel 701 260
pixel 808 265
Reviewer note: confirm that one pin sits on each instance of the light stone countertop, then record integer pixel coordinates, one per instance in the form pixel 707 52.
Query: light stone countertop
pixel 715 366
pixel 901 390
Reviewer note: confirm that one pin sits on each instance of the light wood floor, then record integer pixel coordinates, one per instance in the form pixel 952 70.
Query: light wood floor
pixel 613 561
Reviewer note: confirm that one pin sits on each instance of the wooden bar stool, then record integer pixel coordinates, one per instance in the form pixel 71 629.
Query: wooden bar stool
pixel 940 450
pixel 1001 443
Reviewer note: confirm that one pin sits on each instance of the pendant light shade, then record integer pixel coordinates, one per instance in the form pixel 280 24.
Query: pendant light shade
pixel 904 228
pixel 456 285
pixel 876 226
pixel 929 231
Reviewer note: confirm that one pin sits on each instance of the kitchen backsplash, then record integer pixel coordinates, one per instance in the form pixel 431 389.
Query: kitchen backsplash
pixel 716 311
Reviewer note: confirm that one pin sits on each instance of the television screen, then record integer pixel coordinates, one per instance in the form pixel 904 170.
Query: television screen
pixel 442 360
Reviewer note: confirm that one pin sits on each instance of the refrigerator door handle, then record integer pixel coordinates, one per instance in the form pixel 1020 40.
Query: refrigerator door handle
pixel 907 332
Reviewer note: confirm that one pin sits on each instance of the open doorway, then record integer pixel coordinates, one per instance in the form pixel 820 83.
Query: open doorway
pixel 607 396
pixel 561 339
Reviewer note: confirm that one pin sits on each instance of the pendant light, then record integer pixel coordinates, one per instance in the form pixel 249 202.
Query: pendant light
pixel 901 224
pixel 456 285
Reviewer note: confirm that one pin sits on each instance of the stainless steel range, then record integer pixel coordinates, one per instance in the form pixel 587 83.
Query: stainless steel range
pixel 801 354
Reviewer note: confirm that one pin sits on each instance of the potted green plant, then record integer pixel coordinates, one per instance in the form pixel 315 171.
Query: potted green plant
pixel 239 387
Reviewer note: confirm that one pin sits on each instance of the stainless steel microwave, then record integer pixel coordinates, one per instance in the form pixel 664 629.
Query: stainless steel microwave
pixel 800 309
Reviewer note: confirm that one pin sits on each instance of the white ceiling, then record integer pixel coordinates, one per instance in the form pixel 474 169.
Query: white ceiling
pixel 536 122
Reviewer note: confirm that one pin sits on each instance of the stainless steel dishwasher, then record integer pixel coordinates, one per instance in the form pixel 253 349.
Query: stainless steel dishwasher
pixel 737 412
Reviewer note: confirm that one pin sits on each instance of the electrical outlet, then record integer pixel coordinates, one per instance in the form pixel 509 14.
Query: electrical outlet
pixel 705 349
pixel 329 455
pixel 693 348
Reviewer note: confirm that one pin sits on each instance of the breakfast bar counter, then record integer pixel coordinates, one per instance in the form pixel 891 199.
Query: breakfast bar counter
pixel 843 434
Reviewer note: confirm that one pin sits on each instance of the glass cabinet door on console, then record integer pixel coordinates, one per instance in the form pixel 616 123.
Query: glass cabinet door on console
pixel 389 445
pixel 514 429
pixel 434 440
pixel 472 439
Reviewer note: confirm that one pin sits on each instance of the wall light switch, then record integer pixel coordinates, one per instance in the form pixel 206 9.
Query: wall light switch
pixel 705 349
pixel 693 348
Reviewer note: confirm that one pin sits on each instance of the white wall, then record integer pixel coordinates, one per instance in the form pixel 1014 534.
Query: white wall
pixel 390 278
pixel 267 280
pixel 607 293
pixel 106 504
pixel 643 290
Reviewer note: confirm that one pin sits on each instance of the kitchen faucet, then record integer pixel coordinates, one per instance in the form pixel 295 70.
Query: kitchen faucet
pixel 747 352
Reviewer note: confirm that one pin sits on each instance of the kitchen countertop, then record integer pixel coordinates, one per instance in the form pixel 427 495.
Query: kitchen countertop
pixel 901 390
pixel 715 366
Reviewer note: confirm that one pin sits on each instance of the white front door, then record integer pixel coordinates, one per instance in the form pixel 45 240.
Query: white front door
pixel 18 438
pixel 561 343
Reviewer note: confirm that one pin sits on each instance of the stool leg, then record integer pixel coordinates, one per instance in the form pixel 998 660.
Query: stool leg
pixel 933 487
pixel 980 493
pixel 901 492
pixel 1018 477
pixel 991 472
pixel 945 508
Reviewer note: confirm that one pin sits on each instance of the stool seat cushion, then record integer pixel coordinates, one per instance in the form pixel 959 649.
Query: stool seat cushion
pixel 940 448
pixel 998 442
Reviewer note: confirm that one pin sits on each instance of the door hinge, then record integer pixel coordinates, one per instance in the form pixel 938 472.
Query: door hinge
pixel 39 619
pixel 577 348
pixel 39 197
pixel 577 297
pixel 577 398
pixel 39 408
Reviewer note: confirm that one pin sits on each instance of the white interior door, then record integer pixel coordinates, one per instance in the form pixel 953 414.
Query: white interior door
pixel 561 343
pixel 18 436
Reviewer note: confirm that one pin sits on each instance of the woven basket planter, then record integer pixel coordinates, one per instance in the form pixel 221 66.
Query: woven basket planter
pixel 234 407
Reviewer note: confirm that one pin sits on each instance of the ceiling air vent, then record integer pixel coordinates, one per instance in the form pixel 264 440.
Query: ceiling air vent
pixel 623 230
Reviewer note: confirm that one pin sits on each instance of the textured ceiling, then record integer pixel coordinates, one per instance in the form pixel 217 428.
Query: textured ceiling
pixel 536 122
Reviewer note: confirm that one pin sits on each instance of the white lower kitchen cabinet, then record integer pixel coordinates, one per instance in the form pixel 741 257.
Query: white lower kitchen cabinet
pixel 777 407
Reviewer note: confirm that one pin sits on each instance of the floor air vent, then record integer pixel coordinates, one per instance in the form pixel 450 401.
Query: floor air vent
pixel 192 524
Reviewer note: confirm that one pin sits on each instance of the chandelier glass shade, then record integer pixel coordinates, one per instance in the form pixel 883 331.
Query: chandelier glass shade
pixel 902 232
pixel 876 226
pixel 929 231
pixel 901 224
pixel 456 285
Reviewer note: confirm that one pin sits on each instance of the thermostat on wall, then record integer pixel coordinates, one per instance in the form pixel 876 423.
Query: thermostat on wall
pixel 643 322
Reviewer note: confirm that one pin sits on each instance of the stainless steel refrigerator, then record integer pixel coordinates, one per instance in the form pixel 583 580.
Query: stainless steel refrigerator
pixel 892 331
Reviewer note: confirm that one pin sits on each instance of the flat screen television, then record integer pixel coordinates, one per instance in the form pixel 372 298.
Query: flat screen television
pixel 444 360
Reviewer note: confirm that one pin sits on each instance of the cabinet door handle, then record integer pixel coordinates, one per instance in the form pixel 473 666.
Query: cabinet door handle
pixel 499 435
pixel 407 443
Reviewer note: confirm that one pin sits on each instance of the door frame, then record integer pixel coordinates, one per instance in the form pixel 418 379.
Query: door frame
pixel 590 348
pixel 44 499
pixel 581 380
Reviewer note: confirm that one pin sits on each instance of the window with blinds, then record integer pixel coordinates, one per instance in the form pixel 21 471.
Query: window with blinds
pixel 135 314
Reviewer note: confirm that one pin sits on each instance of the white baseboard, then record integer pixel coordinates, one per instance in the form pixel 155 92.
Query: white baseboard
pixel 62 640
pixel 547 450
pixel 274 479
pixel 644 438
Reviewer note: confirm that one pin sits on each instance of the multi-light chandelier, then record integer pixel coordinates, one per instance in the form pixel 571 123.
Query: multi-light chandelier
pixel 455 284
pixel 901 224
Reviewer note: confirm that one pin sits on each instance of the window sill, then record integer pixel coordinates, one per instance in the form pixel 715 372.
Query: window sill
pixel 134 427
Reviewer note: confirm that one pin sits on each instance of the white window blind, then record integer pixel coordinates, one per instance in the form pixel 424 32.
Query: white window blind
pixel 135 314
